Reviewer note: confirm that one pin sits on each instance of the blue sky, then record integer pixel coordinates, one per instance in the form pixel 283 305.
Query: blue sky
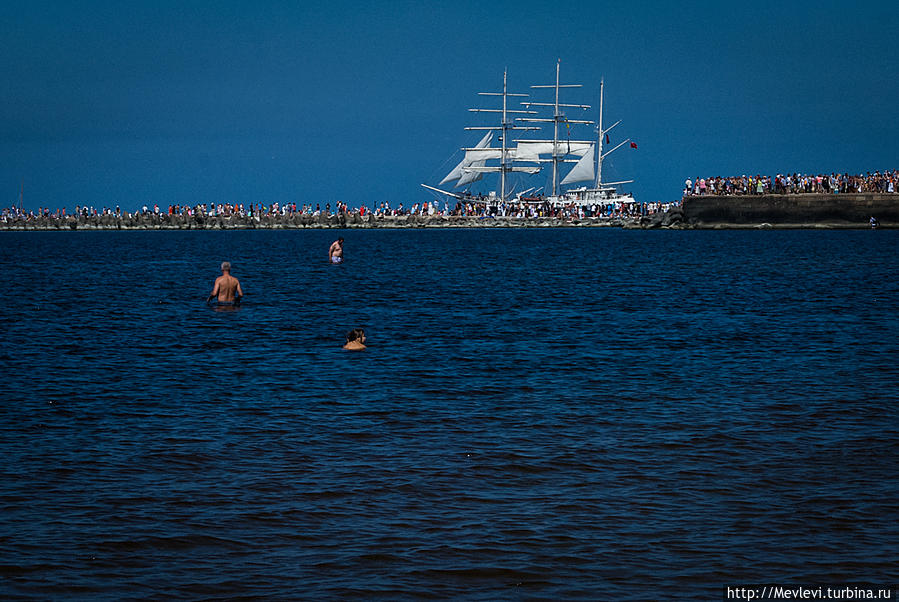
pixel 126 103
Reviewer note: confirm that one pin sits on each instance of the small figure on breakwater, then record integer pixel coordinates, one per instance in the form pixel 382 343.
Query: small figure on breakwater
pixel 335 253
pixel 226 290
pixel 355 340
pixel 873 222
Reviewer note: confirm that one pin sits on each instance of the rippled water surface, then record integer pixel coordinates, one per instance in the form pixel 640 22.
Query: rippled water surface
pixel 572 414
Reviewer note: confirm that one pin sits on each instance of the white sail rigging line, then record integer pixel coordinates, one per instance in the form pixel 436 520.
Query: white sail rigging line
pixel 619 145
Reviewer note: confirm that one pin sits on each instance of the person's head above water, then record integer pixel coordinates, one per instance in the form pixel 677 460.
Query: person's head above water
pixel 226 266
pixel 356 334
pixel 355 339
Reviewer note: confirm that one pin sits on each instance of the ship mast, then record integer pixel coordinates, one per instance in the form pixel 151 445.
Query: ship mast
pixel 558 117
pixel 600 156
pixel 506 125
pixel 599 144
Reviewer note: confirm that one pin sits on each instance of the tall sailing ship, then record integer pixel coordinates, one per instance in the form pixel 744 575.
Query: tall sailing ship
pixel 530 156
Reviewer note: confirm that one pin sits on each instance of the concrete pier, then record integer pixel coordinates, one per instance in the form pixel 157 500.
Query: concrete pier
pixel 792 210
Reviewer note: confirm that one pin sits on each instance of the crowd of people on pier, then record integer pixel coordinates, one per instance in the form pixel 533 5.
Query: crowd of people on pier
pixel 473 207
pixel 202 209
pixel 571 210
pixel 254 209
pixel 795 183
pixel 487 207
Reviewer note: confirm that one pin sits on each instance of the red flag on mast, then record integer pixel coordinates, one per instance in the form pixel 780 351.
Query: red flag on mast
pixel 633 145
pixel 607 138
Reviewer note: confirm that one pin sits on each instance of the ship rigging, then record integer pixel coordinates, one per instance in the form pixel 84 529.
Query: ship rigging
pixel 528 155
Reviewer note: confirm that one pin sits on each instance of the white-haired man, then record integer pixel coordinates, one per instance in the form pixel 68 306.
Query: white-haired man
pixel 226 289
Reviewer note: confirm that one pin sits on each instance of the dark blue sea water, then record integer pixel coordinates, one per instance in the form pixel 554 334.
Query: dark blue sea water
pixel 541 414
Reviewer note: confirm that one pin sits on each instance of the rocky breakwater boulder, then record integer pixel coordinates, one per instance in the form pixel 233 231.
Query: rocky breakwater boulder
pixel 194 222
pixel 140 221
pixel 550 222
pixel 673 218
pixel 190 222
pixel 436 221
pixel 178 221
pixel 88 223
pixel 399 221
pixel 239 222
pixel 322 221
pixel 53 223
pixel 37 223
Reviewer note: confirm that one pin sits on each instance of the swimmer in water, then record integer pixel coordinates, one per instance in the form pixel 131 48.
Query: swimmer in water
pixel 335 253
pixel 355 340
pixel 227 289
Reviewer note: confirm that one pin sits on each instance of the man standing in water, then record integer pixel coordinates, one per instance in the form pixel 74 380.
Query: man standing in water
pixel 227 288
pixel 335 253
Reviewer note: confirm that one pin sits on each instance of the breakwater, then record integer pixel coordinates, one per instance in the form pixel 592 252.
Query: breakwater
pixel 839 211
pixel 792 210
pixel 164 221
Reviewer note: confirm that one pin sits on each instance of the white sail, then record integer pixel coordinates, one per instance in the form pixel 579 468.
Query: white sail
pixel 531 150
pixel 482 154
pixel 576 148
pixel 471 175
pixel 477 158
pixel 456 173
pixel 583 169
